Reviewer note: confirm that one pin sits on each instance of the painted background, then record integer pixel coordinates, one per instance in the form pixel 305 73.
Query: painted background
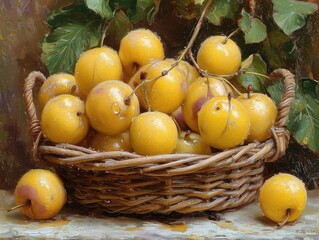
pixel 22 26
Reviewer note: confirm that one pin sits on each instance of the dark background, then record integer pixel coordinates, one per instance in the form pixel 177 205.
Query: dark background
pixel 22 27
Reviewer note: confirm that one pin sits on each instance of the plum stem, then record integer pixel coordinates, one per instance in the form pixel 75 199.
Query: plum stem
pixel 249 91
pixel 27 203
pixel 127 101
pixel 143 75
pixel 73 89
pixel 187 136
pixel 257 74
pixel 280 224
pixel 230 35
pixel 208 88
pixel 105 28
pixel 179 129
pixel 204 73
pixel 146 99
pixel 145 81
pixel 229 97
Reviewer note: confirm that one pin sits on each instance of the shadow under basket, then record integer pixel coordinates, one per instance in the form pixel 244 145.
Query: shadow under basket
pixel 127 183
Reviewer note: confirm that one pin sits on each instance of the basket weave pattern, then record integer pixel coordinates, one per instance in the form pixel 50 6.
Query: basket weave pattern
pixel 123 182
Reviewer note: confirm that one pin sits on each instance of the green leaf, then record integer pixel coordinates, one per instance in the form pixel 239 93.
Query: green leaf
pixel 303 121
pixel 60 17
pixel 72 13
pixel 305 126
pixel 254 29
pixel 290 15
pixel 275 89
pixel 310 86
pixel 222 9
pixel 101 7
pixel 119 26
pixel 141 10
pixel 62 48
pixel 152 13
pixel 253 64
pixel 247 63
pixel 273 48
pixel 124 3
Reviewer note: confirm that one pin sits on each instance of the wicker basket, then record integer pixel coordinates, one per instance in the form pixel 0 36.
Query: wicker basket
pixel 123 182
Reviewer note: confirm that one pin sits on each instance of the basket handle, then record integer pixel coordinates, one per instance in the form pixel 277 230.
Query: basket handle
pixel 287 97
pixel 280 134
pixel 33 121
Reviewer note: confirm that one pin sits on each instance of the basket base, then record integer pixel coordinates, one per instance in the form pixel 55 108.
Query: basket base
pixel 107 193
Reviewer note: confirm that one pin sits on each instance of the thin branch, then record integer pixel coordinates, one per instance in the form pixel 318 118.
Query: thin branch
pixel 230 35
pixel 255 73
pixel 182 55
pixel 105 28
pixel 196 31
pixel 143 82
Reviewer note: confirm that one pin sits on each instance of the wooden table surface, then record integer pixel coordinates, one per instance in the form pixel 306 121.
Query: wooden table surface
pixel 246 223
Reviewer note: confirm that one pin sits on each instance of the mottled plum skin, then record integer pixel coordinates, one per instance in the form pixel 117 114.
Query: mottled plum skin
pixel 41 192
pixel 198 106
pixel 198 93
pixel 31 194
pixel 178 115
